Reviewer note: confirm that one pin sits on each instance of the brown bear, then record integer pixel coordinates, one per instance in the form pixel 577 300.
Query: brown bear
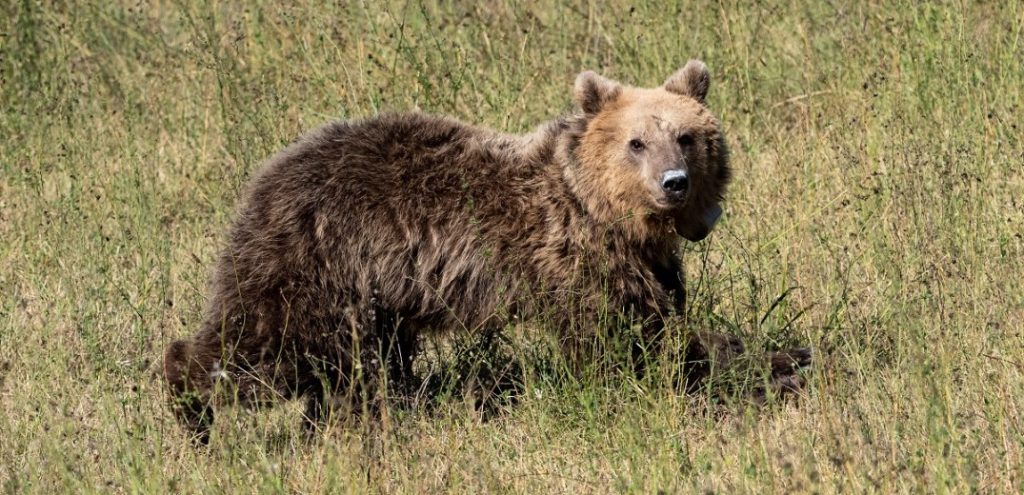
pixel 363 235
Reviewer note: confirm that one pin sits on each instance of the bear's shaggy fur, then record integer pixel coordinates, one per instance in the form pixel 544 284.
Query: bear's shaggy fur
pixel 363 235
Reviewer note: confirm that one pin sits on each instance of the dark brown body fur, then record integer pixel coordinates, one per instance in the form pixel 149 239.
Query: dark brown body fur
pixel 363 235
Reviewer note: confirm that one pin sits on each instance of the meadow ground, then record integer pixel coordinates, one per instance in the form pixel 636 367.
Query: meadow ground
pixel 876 214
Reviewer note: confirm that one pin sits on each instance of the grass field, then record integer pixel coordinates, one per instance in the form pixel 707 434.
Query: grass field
pixel 876 215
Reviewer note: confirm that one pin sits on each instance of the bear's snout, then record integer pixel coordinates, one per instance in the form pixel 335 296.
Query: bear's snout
pixel 675 183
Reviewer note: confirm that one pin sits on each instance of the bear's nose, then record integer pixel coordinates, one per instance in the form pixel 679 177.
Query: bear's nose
pixel 675 182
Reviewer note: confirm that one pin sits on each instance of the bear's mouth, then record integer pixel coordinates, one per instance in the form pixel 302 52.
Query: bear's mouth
pixel 671 204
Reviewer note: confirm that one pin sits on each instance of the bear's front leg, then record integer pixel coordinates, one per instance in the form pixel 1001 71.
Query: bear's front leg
pixel 708 352
pixel 785 378
pixel 189 387
pixel 711 354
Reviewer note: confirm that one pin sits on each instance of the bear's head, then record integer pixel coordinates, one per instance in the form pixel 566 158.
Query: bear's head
pixel 650 159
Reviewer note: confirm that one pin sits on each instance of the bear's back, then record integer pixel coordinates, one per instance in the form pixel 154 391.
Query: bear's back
pixel 415 205
pixel 408 164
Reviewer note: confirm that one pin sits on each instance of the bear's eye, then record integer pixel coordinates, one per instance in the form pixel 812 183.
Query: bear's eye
pixel 636 145
pixel 685 140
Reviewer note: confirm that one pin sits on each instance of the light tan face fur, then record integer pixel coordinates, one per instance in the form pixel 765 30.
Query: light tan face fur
pixel 637 138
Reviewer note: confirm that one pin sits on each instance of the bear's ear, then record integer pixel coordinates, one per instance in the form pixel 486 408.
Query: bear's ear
pixel 593 91
pixel 692 80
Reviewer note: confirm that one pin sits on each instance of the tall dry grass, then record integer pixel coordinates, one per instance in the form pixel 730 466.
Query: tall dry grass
pixel 876 214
